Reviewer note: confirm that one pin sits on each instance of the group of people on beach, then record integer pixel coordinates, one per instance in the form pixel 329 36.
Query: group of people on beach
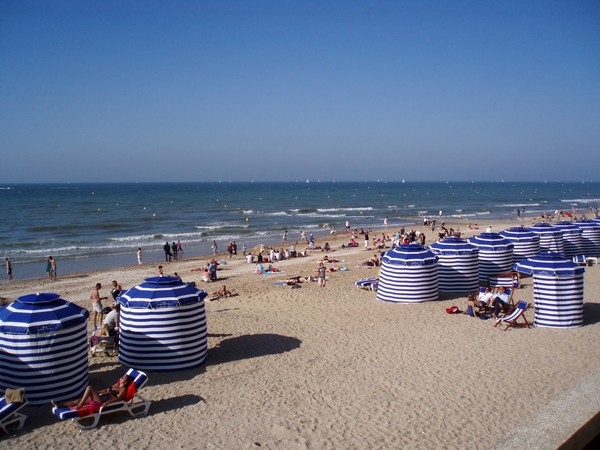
pixel 172 251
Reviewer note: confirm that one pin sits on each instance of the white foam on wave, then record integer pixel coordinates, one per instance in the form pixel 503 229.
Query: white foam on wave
pixel 220 226
pixel 518 205
pixel 364 208
pixel 582 200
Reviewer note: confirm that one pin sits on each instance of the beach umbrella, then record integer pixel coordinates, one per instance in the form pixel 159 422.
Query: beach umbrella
pixel 162 325
pixel 409 274
pixel 495 255
pixel 590 237
pixel 557 290
pixel 458 266
pixel 551 238
pixel 43 347
pixel 526 243
pixel 572 238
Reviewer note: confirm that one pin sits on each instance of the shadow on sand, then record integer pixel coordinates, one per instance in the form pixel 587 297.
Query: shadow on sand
pixel 251 346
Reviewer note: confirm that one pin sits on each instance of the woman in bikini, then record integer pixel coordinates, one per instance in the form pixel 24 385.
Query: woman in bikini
pixel 100 399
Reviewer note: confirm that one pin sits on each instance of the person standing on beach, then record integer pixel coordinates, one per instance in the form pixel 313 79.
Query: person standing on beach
pixel 386 221
pixel 49 267
pixel 303 236
pixel 244 249
pixel 179 248
pixel 53 272
pixel 284 237
pixel 347 227
pixel 139 255
pixel 9 270
pixel 167 249
pixel 175 253
pixel 322 272
pixel 214 247
pixel 366 240
pixel 97 304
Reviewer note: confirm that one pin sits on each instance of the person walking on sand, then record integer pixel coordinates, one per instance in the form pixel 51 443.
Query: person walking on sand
pixel 49 267
pixel 53 273
pixel 322 272
pixel 167 249
pixel 284 237
pixel 9 270
pixel 97 304
pixel 139 255
pixel 214 247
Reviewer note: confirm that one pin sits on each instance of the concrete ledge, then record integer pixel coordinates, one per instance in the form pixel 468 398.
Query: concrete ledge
pixel 570 422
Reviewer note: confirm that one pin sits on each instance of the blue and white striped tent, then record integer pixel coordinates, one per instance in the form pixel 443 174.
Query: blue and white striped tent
pixel 526 243
pixel 163 325
pixel 557 290
pixel 43 347
pixel 551 238
pixel 590 237
pixel 495 255
pixel 409 274
pixel 572 238
pixel 458 265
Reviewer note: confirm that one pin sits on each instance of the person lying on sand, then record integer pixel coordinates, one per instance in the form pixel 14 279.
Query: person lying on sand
pixel 221 293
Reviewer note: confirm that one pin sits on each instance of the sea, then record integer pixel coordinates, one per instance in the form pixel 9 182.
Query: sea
pixel 98 226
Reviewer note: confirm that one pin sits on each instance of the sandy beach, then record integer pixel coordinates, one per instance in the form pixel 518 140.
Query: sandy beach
pixel 333 367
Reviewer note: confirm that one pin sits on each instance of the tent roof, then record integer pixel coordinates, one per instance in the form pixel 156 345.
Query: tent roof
pixel 552 264
pixel 161 292
pixel 409 255
pixel 491 240
pixel 453 246
pixel 40 313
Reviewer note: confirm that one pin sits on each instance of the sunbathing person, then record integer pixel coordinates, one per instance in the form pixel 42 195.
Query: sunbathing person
pixel 471 304
pixel 223 292
pixel 483 298
pixel 117 392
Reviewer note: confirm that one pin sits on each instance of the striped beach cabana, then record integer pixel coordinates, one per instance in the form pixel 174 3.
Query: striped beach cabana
pixel 590 237
pixel 162 325
pixel 551 238
pixel 43 348
pixel 572 238
pixel 458 266
pixel 495 255
pixel 526 243
pixel 409 274
pixel 557 290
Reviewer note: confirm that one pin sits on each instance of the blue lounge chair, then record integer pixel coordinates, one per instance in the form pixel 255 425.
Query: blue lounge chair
pixel 368 283
pixel 136 406
pixel 10 415
pixel 511 319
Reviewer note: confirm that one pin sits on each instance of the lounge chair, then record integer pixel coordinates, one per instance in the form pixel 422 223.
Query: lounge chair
pixel 136 406
pixel 511 319
pixel 369 284
pixel 108 346
pixel 583 260
pixel 10 415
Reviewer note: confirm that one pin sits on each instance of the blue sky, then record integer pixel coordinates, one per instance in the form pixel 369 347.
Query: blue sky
pixel 289 90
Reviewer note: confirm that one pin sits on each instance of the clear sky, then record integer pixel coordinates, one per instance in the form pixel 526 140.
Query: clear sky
pixel 289 90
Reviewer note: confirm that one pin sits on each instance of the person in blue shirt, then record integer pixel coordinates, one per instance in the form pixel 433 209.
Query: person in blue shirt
pixel 500 302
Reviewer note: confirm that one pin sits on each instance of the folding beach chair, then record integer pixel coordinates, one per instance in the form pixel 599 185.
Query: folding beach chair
pixel 511 319
pixel 134 405
pixel 10 415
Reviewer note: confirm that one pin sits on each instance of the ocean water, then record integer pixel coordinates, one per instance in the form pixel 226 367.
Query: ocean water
pixel 96 226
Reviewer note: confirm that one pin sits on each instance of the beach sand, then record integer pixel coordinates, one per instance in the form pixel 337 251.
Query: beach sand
pixel 335 368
